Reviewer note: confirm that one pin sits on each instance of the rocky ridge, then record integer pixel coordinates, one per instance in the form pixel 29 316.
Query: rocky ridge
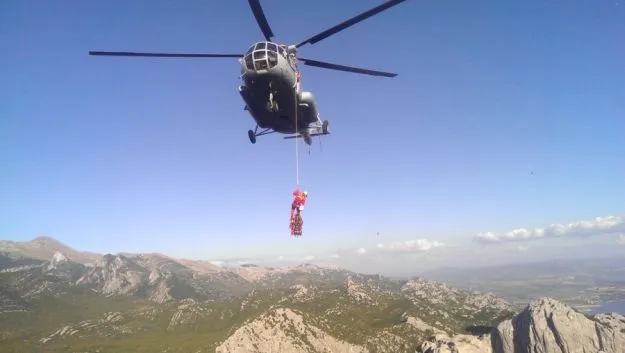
pixel 155 295
pixel 549 326
pixel 153 276
pixel 120 300
pixel 283 330
pixel 43 249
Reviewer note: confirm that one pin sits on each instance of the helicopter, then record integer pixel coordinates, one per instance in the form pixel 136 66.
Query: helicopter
pixel 271 81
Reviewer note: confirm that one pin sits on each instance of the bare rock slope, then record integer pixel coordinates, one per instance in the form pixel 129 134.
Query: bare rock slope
pixel 549 326
pixel 457 344
pixel 283 330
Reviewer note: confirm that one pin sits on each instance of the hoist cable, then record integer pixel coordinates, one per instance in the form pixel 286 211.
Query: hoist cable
pixel 296 132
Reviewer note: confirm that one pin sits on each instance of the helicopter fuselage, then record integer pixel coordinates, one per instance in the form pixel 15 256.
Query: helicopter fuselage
pixel 271 87
pixel 271 90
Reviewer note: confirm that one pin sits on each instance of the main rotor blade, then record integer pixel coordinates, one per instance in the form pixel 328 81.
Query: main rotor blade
pixel 352 21
pixel 357 70
pixel 164 55
pixel 259 14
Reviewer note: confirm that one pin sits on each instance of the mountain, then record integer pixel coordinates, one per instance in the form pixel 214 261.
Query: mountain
pixel 581 283
pixel 42 249
pixel 548 326
pixel 155 303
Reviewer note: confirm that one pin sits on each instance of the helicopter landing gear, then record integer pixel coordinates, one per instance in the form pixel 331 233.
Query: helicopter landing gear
pixel 252 136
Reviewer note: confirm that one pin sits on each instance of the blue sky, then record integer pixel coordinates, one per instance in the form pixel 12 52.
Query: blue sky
pixel 142 155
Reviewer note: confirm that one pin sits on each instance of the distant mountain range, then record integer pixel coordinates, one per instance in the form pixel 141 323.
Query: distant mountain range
pixel 582 283
pixel 55 298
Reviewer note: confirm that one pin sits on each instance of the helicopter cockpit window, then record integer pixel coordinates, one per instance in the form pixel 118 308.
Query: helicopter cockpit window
pixel 250 50
pixel 261 64
pixel 260 54
pixel 264 55
pixel 249 62
pixel 273 58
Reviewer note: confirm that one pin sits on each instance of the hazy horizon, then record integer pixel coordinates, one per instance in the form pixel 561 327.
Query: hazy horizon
pixel 602 238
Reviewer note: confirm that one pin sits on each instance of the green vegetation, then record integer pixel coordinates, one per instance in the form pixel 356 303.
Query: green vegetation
pixel 145 326
pixel 40 311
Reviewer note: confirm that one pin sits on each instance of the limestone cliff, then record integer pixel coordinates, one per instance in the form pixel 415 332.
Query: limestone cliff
pixel 549 326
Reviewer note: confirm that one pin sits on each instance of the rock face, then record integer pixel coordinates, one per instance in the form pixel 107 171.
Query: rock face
pixel 157 277
pixel 457 344
pixel 283 330
pixel 440 293
pixel 548 326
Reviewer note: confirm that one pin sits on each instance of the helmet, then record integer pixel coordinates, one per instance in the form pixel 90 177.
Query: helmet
pixel 305 193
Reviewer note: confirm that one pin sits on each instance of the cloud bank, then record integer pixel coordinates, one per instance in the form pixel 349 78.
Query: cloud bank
pixel 598 226
pixel 355 254
pixel 410 246
pixel 395 248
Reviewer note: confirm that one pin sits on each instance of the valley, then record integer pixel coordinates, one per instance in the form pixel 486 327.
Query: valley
pixel 582 283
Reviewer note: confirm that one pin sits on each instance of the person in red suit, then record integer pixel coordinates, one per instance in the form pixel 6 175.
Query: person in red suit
pixel 299 199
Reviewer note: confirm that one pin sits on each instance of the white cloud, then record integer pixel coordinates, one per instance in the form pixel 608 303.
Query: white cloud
pixel 361 251
pixel 217 263
pixel 522 248
pixel 600 225
pixel 410 246
pixel 621 239
pixel 334 256
pixel 309 258
pixel 407 246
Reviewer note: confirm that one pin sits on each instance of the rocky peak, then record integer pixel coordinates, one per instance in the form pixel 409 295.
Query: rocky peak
pixel 549 326
pixel 110 259
pixel 438 293
pixel 431 291
pixel 58 257
pixel 46 241
pixel 43 248
pixel 442 343
pixel 283 330
pixel 358 291
pixel 420 285
pixel 63 267
pixel 57 261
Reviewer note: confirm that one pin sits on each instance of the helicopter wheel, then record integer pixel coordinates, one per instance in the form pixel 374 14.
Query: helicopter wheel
pixel 324 127
pixel 252 136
